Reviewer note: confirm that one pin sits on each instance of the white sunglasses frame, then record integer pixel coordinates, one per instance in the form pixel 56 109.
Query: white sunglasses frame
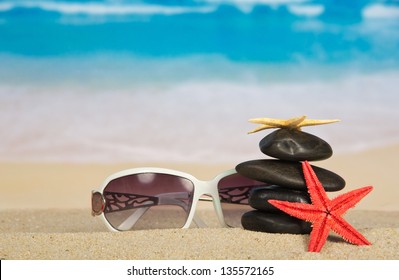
pixel 201 188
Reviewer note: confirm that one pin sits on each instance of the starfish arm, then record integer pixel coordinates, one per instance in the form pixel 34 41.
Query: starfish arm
pixel 268 121
pixel 262 127
pixel 343 202
pixel 298 210
pixel 349 233
pixel 315 188
pixel 295 122
pixel 317 122
pixel 319 234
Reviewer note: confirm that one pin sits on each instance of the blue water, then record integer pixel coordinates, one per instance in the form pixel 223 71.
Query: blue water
pixel 118 80
pixel 293 31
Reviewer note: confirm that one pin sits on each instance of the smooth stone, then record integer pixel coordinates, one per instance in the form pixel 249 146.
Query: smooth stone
pixel 259 197
pixel 287 174
pixel 295 145
pixel 274 223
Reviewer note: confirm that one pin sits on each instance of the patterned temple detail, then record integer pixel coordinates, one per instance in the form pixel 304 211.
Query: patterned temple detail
pixel 237 195
pixel 123 201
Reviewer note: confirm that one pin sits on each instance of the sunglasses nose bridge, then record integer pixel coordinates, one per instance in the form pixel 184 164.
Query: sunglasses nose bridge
pixel 207 188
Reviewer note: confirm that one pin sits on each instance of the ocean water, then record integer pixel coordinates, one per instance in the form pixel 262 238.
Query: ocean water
pixel 116 81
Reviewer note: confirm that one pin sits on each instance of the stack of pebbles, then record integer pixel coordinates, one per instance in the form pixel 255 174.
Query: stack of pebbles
pixel 289 145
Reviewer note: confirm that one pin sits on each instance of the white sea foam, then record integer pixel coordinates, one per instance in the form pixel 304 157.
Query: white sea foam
pixel 379 11
pixel 6 6
pixel 296 7
pixel 118 8
pixel 306 10
pixel 246 6
pixel 93 8
pixel 252 2
pixel 191 119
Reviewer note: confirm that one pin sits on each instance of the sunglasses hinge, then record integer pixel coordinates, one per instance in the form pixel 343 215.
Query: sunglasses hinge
pixel 97 203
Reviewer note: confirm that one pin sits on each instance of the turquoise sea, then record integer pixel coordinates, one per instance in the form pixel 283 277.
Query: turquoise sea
pixel 158 80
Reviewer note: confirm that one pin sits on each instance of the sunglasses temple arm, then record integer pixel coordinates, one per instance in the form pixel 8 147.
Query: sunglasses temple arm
pixel 164 199
pixel 237 195
pixel 199 222
pixel 132 220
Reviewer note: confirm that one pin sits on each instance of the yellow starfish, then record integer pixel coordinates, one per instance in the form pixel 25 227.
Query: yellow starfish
pixel 294 123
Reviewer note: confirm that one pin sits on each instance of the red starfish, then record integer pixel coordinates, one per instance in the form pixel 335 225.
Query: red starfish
pixel 323 213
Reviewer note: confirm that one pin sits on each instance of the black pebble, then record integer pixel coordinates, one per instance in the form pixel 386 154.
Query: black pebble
pixel 274 223
pixel 287 174
pixel 295 145
pixel 259 197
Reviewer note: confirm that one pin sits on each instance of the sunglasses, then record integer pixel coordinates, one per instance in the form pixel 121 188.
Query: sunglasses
pixel 157 198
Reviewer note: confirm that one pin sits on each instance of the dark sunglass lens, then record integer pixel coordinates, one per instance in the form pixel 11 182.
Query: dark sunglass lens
pixel 148 201
pixel 234 191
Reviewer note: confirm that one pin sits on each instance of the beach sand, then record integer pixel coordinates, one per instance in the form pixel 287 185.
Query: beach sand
pixel 45 214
